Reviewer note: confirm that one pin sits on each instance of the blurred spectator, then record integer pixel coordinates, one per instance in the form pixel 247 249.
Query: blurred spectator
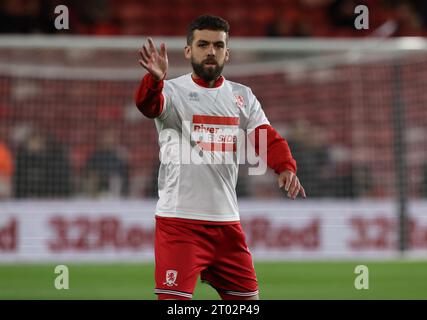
pixel 363 185
pixel 21 16
pixel 324 169
pixel 107 169
pixel 96 18
pixel 341 13
pixel 16 16
pixel 342 180
pixel 289 24
pixel 409 23
pixel 6 171
pixel 42 168
pixel 313 159
pixel 58 179
pixel 283 28
pixel 303 18
pixel 421 9
pixel 31 169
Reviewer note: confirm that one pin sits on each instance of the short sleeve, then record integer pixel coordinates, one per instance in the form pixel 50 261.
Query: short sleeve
pixel 257 116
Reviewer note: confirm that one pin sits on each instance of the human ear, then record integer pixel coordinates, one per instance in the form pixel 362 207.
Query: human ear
pixel 227 54
pixel 187 52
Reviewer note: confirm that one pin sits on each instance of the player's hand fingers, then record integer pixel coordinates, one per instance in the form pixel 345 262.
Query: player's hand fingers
pixel 142 53
pixel 281 182
pixel 152 46
pixel 288 181
pixel 296 190
pixel 143 64
pixel 146 53
pixel 144 57
pixel 293 186
pixel 163 50
pixel 144 45
pixel 303 192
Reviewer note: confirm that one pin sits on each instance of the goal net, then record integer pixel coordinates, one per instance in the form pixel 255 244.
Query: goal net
pixel 353 112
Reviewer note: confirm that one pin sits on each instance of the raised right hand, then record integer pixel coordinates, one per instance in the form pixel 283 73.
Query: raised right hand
pixel 153 61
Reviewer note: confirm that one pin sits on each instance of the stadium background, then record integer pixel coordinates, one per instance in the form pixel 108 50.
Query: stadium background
pixel 350 102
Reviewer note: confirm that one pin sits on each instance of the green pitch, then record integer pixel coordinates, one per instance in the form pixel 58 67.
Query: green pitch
pixel 279 280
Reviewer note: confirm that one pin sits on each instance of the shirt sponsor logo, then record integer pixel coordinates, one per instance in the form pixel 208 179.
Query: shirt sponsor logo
pixel 215 133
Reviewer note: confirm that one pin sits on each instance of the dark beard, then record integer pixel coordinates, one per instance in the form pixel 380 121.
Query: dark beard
pixel 207 74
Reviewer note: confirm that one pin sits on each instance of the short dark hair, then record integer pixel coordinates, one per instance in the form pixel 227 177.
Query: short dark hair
pixel 207 22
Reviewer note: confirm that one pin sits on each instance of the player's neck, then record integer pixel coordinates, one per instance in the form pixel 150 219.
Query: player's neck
pixel 211 84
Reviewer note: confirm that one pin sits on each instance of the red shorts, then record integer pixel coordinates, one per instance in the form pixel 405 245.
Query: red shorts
pixel 184 249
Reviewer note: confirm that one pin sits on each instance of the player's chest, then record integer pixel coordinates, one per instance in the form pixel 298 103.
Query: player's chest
pixel 216 103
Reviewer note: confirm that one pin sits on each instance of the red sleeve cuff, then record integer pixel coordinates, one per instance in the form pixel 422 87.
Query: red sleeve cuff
pixel 148 97
pixel 291 166
pixel 279 156
pixel 153 84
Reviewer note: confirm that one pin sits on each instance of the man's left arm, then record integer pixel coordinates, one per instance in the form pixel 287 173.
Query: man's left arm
pixel 278 157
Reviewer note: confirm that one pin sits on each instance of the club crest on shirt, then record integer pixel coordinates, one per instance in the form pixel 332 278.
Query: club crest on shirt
pixel 240 101
pixel 171 278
